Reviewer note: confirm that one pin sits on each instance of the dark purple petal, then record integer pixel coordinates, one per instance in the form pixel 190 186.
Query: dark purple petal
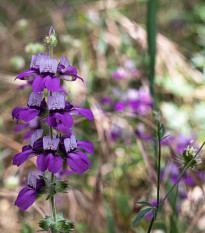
pixel 65 118
pixel 38 84
pixel 86 145
pixel 82 111
pixel 22 157
pixel 52 84
pixel 25 73
pixel 51 120
pixel 25 198
pixel 29 114
pixel 78 162
pixel 16 112
pixel 28 135
pixel 54 163
pixel 21 127
pixel 42 162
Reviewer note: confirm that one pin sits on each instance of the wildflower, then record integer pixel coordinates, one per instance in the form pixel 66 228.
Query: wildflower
pixel 28 194
pixel 76 159
pixel 35 106
pixel 60 112
pixel 33 149
pixel 49 159
pixel 66 70
pixel 45 69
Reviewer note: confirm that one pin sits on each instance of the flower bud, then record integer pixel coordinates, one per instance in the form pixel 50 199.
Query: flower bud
pixel 51 39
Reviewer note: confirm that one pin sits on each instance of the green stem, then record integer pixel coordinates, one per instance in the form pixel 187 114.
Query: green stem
pixel 150 226
pixel 51 133
pixel 182 173
pixel 159 163
pixel 53 201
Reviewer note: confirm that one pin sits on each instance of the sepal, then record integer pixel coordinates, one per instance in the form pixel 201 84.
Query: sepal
pixel 61 225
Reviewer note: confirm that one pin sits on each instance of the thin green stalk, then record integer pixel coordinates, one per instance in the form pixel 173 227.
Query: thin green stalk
pixel 159 163
pixel 150 226
pixel 182 173
pixel 53 201
pixel 51 133
pixel 151 41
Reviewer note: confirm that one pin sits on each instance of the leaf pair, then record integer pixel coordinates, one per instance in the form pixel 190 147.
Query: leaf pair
pixel 143 212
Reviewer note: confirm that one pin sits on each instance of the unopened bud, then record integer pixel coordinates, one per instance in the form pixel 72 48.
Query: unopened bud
pixel 51 39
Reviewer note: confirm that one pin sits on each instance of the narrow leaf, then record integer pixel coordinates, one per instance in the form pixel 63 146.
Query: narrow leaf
pixel 140 216
pixel 144 203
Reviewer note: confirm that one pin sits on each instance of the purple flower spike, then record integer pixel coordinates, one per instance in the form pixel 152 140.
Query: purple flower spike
pixel 56 102
pixel 50 144
pixel 27 195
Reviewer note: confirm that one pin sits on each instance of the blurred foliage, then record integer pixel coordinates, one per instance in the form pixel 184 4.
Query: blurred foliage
pixel 98 37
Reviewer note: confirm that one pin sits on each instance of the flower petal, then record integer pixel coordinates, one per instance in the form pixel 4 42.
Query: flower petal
pixel 55 163
pixel 52 84
pixel 86 145
pixel 28 114
pixel 51 120
pixel 22 157
pixel 25 73
pixel 25 198
pixel 82 111
pixel 42 162
pixel 65 118
pixel 38 84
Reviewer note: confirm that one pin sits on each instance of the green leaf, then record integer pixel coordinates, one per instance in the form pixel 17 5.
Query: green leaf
pixel 154 212
pixel 162 131
pixel 140 216
pixel 144 203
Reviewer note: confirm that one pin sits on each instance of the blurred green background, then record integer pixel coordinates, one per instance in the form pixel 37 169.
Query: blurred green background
pixel 98 37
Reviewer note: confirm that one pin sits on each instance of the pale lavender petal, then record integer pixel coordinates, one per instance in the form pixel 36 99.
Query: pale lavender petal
pixel 29 114
pixel 50 144
pixel 41 56
pixel 48 66
pixel 82 111
pixel 52 84
pixel 38 84
pixel 86 145
pixel 35 99
pixel 33 62
pixel 56 102
pixel 35 136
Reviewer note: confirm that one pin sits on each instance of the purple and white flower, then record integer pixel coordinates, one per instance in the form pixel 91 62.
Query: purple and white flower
pixel 76 159
pixel 31 150
pixel 49 159
pixel 35 106
pixel 27 195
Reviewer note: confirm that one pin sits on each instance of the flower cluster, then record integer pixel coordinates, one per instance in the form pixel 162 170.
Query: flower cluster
pixel 51 108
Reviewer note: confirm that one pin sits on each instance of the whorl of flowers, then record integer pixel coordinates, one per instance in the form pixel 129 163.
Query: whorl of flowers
pixel 53 108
